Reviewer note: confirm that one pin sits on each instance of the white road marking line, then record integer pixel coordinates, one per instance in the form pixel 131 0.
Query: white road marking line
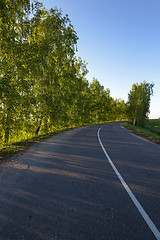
pixel 144 139
pixel 145 216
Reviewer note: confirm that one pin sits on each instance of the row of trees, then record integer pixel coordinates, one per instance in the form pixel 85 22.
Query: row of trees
pixel 43 84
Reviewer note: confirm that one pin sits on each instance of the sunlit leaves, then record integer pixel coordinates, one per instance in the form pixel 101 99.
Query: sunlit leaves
pixel 42 82
pixel 139 102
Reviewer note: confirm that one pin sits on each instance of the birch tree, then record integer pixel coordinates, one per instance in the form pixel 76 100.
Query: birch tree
pixel 139 102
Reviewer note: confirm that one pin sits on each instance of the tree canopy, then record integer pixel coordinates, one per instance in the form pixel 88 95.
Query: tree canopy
pixel 43 83
pixel 139 102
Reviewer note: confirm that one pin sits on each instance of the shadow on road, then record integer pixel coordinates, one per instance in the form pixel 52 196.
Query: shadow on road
pixel 64 188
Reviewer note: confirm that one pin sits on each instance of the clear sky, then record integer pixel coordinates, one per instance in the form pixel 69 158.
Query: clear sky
pixel 120 41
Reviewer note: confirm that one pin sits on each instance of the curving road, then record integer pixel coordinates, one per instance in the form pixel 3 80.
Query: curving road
pixel 65 188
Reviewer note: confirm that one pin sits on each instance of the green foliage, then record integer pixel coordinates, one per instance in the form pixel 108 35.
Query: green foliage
pixel 15 147
pixel 150 129
pixel 118 110
pixel 100 102
pixel 139 102
pixel 43 84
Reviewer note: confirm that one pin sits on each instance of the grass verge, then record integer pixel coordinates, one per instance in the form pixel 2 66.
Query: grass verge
pixel 9 150
pixel 150 130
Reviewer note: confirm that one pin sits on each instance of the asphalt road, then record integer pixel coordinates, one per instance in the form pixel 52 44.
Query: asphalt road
pixel 64 188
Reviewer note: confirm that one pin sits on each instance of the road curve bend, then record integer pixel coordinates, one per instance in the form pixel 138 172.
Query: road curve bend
pixel 65 188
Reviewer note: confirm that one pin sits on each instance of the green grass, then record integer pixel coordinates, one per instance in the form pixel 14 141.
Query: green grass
pixel 11 149
pixel 150 130
pixel 18 145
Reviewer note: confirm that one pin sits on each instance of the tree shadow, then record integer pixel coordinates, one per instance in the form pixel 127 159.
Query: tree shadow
pixel 64 188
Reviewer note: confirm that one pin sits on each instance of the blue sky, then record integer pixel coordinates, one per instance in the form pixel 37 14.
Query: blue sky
pixel 120 41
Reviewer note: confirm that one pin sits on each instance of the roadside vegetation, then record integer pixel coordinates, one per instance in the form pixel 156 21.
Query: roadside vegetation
pixel 43 84
pixel 9 150
pixel 149 130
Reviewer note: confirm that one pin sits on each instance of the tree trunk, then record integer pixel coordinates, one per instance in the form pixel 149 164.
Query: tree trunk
pixel 6 135
pixel 6 128
pixel 38 128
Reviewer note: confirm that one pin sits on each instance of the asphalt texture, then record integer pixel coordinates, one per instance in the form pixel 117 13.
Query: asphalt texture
pixel 64 188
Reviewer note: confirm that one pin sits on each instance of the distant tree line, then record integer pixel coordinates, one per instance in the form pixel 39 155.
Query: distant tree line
pixel 43 84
